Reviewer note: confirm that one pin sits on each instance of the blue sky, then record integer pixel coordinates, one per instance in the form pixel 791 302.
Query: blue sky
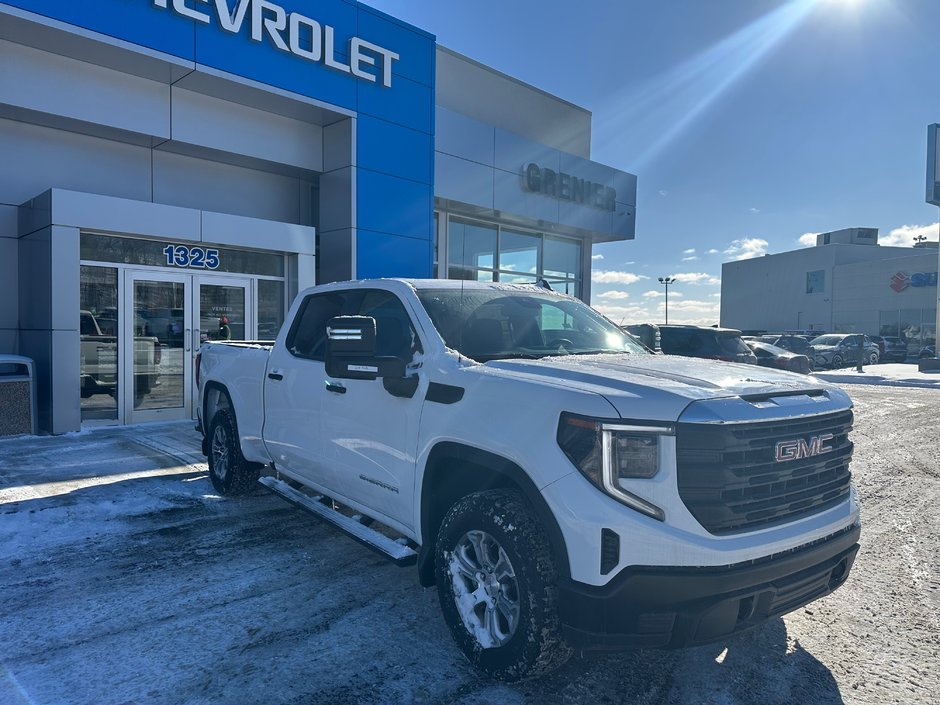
pixel 749 123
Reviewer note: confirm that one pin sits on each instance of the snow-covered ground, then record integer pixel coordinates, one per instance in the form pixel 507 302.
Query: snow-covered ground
pixel 125 579
pixel 895 374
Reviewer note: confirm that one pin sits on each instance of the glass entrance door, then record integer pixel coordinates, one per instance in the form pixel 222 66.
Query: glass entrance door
pixel 169 317
pixel 222 311
pixel 157 349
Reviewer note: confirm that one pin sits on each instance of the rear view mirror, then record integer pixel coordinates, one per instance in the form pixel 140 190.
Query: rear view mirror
pixel 350 350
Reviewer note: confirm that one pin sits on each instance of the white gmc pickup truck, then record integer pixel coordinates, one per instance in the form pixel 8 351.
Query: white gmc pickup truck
pixel 563 488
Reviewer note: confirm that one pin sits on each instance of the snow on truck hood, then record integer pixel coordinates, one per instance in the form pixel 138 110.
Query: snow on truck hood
pixel 672 381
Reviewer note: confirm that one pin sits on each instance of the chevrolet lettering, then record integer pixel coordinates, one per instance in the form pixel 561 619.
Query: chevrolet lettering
pixel 293 33
pixel 799 448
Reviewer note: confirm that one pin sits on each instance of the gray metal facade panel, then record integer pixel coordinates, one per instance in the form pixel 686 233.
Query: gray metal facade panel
pixel 464 137
pixel 488 96
pixel 336 205
pixel 64 271
pixel 218 124
pixel 119 215
pixel 36 158
pixel 9 289
pixel 586 169
pixel 510 197
pixel 583 217
pixel 66 380
pixel 240 231
pixel 338 144
pixel 34 259
pixel 462 180
pixel 513 152
pixel 623 221
pixel 8 221
pixel 625 185
pixel 9 341
pixel 53 84
pixel 181 180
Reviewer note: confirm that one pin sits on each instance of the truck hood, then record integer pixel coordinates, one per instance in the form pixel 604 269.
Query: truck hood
pixel 666 384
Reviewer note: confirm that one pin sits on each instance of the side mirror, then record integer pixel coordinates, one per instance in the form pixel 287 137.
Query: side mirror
pixel 350 351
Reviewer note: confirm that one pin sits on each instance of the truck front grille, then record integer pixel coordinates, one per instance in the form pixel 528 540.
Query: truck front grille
pixel 731 480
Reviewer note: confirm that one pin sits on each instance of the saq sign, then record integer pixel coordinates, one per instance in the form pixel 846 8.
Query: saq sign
pixel 290 32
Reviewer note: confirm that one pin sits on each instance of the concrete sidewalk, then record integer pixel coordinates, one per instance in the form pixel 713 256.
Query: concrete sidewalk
pixel 889 375
pixel 32 467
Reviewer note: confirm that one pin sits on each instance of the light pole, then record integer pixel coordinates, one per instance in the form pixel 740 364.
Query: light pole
pixel 667 281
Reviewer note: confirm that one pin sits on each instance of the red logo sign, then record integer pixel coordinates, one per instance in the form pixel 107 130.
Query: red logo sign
pixel 899 282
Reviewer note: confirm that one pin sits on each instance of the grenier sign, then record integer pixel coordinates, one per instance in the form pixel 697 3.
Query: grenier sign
pixel 566 187
pixel 290 32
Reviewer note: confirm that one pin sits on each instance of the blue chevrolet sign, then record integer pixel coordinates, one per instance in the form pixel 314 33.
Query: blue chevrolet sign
pixel 338 53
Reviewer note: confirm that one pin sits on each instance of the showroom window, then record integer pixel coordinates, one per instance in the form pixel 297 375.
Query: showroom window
pixel 478 251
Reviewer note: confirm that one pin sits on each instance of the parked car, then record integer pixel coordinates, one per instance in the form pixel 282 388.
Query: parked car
pixel 841 349
pixel 891 349
pixel 646 333
pixel 710 343
pixel 794 343
pixel 565 489
pixel 929 351
pixel 772 356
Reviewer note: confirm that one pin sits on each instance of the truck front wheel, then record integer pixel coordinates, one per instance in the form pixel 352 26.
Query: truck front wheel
pixel 229 472
pixel 497 586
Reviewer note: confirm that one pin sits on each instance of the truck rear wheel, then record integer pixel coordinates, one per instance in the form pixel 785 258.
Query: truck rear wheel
pixel 496 583
pixel 229 472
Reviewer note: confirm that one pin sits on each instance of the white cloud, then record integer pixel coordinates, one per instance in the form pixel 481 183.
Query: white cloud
pixel 691 311
pixel 696 278
pixel 663 192
pixel 689 259
pixel 652 294
pixel 629 263
pixel 807 239
pixel 606 277
pixel 625 314
pixel 690 251
pixel 753 210
pixel 712 251
pixel 614 295
pixel 904 236
pixel 597 257
pixel 746 248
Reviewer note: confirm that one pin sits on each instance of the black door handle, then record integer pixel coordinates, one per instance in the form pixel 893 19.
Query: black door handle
pixel 334 387
pixel 276 376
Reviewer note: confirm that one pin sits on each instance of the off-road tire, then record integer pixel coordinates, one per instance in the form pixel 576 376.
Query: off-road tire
pixel 536 646
pixel 229 472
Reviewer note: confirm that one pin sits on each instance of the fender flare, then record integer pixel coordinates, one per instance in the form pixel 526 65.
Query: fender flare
pixel 503 473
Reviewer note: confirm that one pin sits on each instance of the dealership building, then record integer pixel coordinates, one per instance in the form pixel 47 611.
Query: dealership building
pixel 846 283
pixel 174 171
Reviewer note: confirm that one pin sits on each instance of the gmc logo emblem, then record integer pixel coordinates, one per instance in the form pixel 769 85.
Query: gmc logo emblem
pixel 798 448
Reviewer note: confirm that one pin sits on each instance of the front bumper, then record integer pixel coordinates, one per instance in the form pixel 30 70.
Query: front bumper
pixel 672 607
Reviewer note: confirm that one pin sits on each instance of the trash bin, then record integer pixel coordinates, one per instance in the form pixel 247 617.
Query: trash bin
pixel 17 395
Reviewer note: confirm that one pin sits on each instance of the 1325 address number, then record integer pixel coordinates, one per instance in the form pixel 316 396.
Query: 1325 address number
pixel 200 257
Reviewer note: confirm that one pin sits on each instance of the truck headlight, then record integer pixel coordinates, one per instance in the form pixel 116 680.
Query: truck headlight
pixel 607 452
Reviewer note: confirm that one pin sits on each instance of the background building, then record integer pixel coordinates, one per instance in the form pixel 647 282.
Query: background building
pixel 845 283
pixel 172 172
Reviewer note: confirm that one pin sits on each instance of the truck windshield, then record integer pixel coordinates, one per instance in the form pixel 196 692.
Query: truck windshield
pixel 491 324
